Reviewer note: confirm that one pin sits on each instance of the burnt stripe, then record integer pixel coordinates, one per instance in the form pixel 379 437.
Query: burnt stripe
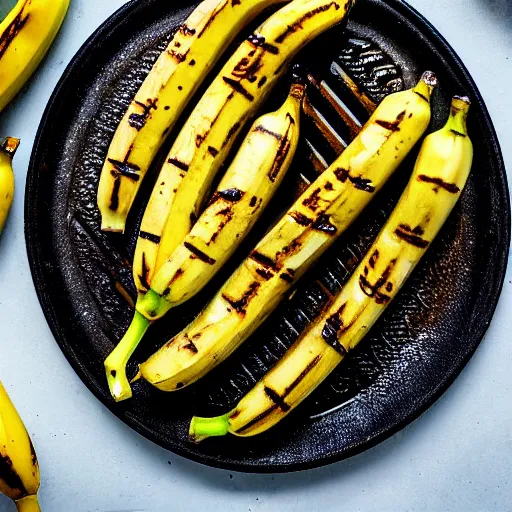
pixel 262 129
pixel 12 30
pixel 10 477
pixel 290 29
pixel 302 375
pixel 191 346
pixel 300 218
pixel 150 236
pixel 179 164
pixel 459 134
pixel 126 169
pixel 282 153
pixel 276 398
pixel 265 274
pixel 231 194
pixel 263 260
pixel 214 152
pixel 200 254
pixel 286 277
pixel 411 238
pixel 114 196
pixel 143 278
pixel 450 187
pixel 257 419
pixel 422 96
pixel 238 87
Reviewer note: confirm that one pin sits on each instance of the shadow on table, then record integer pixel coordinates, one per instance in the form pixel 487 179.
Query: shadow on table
pixel 500 10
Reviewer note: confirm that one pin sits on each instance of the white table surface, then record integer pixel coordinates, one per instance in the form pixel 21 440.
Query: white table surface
pixel 456 457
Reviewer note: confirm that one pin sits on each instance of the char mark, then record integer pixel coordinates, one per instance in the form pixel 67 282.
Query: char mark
pixel 281 154
pixel 240 305
pixel 264 260
pixel 214 152
pixel 259 41
pixel 180 57
pixel 257 419
pixel 186 31
pixel 179 164
pixel 253 202
pixel 238 87
pixel 286 277
pixel 332 326
pixel 200 254
pixel 126 169
pixel 143 278
pixel 300 218
pixel 114 196
pixel 411 236
pixel 440 183
pixel 190 346
pixel 459 134
pixel 311 202
pixel 150 236
pixel 265 274
pixel 422 96
pixel 373 291
pixel 277 399
pixel 262 129
pixel 231 194
pixel 232 131
pixel 290 29
pixel 374 258
pixel 359 182
pixel 395 125
pixel 323 224
pixel 262 82
pixel 138 121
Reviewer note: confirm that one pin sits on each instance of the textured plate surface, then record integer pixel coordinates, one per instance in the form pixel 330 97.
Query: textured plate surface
pixel 83 277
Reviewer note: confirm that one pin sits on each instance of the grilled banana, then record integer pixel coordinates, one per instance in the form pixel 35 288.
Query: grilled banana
pixel 19 471
pixel 25 36
pixel 435 186
pixel 208 135
pixel 242 195
pixel 8 147
pixel 173 80
pixel 309 227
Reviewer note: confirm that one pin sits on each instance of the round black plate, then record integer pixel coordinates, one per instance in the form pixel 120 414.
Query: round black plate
pixel 405 363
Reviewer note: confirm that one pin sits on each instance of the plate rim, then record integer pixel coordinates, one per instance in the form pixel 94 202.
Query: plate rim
pixel 427 400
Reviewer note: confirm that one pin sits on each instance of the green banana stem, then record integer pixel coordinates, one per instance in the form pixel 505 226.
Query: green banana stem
pixel 458 115
pixel 152 305
pixel 202 428
pixel 115 364
pixel 28 504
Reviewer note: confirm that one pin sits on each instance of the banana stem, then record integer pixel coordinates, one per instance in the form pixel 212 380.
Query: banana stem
pixel 458 115
pixel 152 305
pixel 9 145
pixel 115 364
pixel 426 85
pixel 28 504
pixel 202 428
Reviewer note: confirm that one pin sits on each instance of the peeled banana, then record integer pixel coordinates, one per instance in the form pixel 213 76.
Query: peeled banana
pixel 19 471
pixel 25 36
pixel 435 186
pixel 173 80
pixel 245 190
pixel 309 227
pixel 8 147
pixel 208 135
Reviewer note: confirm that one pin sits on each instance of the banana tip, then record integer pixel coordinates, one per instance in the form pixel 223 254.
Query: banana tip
pixel 430 78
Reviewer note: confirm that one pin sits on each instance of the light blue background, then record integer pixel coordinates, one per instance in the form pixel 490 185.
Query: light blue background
pixel 456 457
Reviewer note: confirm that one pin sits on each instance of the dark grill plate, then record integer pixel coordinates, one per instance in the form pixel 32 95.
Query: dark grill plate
pixel 83 276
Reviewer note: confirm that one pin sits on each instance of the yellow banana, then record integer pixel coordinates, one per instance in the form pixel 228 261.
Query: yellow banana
pixel 25 36
pixel 309 227
pixel 19 471
pixel 173 80
pixel 242 195
pixel 8 147
pixel 208 135
pixel 435 186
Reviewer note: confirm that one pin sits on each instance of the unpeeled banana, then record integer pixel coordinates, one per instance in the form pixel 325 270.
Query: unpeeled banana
pixel 309 227
pixel 25 36
pixel 243 193
pixel 19 470
pixel 196 47
pixel 8 147
pixel 435 186
pixel 204 143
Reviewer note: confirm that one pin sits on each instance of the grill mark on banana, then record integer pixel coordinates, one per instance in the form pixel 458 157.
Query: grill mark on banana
pixel 282 152
pixel 412 236
pixel 231 194
pixel 13 29
pixel 290 29
pixel 114 197
pixel 240 305
pixel 200 254
pixel 440 183
pixel 271 409
pixel 126 169
pixel 149 236
pixel 138 121
pixel 179 164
